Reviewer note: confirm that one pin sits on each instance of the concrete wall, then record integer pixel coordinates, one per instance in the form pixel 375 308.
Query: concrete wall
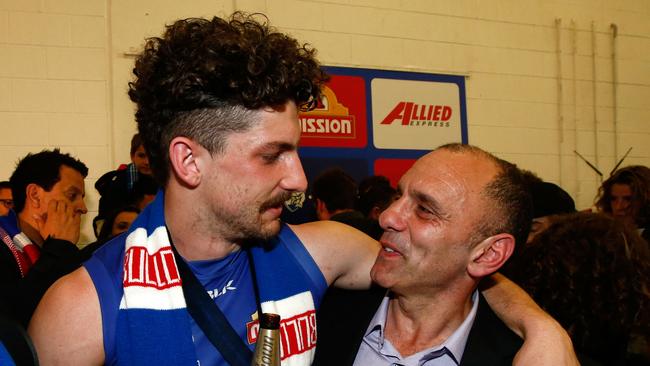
pixel 539 73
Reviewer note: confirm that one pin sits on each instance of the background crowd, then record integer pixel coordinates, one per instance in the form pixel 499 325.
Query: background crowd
pixel 589 269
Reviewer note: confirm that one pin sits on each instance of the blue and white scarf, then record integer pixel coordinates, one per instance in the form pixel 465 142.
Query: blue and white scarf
pixel 153 325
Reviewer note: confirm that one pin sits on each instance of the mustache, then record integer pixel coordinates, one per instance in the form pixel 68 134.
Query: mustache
pixel 275 201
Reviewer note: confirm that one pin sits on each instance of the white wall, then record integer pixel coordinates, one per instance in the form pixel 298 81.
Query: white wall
pixel 54 68
pixel 64 65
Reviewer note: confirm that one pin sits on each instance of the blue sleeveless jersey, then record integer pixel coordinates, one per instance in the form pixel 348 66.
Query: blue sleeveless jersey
pixel 290 284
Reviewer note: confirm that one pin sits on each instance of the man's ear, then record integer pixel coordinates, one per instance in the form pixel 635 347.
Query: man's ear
pixel 374 213
pixel 33 195
pixel 321 210
pixel 187 161
pixel 490 254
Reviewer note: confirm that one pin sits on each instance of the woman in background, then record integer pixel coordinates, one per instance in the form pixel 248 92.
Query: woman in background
pixel 591 273
pixel 626 196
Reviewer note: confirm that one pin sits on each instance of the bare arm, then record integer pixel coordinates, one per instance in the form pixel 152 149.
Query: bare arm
pixel 546 342
pixel 343 253
pixel 66 328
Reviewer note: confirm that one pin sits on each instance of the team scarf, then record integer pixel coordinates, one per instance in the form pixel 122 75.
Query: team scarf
pixel 25 253
pixel 153 325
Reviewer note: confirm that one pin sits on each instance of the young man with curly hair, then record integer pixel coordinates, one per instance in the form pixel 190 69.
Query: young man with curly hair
pixel 217 107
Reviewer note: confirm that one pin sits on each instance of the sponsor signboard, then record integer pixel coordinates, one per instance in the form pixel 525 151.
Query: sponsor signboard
pixel 414 114
pixel 372 122
pixel 339 119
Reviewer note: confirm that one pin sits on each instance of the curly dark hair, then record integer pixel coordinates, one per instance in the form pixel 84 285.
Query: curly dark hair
pixel 638 178
pixel 591 273
pixel 43 169
pixel 205 78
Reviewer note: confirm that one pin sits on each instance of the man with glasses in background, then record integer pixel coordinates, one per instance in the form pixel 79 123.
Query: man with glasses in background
pixel 6 200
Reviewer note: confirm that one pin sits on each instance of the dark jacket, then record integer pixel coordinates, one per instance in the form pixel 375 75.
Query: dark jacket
pixel 20 296
pixel 113 188
pixel 341 330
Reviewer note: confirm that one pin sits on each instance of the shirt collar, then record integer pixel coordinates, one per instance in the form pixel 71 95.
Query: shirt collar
pixel 455 343
pixel 375 331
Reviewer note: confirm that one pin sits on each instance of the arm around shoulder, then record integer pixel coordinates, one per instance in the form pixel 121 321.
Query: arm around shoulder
pixel 67 328
pixel 546 343
pixel 343 254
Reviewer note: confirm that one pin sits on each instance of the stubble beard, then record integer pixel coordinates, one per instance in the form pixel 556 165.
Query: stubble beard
pixel 248 225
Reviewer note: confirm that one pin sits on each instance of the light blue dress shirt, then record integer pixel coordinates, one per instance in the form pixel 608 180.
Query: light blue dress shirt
pixel 375 350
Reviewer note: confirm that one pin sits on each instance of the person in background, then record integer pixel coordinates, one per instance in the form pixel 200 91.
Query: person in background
pixel 217 104
pixel 39 234
pixel 116 188
pixel 592 273
pixel 375 195
pixel 118 222
pixel 6 199
pixel 335 194
pixel 626 196
pixel 548 200
pixel 144 191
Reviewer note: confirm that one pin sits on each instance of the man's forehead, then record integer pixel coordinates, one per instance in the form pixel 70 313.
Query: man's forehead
pixel 70 178
pixel 462 164
pixel 453 172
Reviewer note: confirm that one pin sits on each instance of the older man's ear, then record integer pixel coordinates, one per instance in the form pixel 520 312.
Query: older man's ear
pixel 490 254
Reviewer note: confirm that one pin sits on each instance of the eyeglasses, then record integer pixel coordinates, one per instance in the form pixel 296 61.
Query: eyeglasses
pixel 8 203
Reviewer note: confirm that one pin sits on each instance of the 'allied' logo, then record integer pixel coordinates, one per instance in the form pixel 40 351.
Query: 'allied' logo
pixel 412 114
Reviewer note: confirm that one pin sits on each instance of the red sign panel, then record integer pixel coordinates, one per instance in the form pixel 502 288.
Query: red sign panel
pixel 393 169
pixel 339 120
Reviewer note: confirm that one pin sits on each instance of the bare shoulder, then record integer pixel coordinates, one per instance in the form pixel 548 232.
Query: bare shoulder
pixel 343 253
pixel 67 328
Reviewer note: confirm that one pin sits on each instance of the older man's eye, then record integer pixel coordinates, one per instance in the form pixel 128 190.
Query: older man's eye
pixel 425 212
pixel 270 158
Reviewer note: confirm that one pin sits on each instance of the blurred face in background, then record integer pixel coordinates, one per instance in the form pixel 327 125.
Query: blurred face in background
pixel 622 202
pixel 6 201
pixel 122 222
pixel 141 160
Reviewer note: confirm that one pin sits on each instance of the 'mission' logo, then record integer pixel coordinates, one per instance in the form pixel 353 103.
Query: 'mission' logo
pixel 412 114
pixel 329 119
